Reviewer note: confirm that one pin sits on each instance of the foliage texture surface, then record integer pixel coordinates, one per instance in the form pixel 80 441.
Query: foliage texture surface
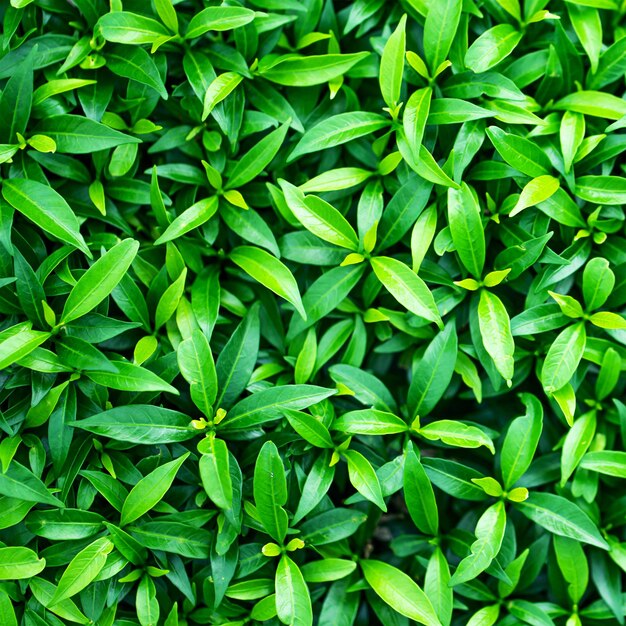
pixel 311 312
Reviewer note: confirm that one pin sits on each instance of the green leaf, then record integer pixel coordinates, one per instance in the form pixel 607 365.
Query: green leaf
pixel 83 569
pixel 594 103
pixel 399 591
pixel 337 130
pixel 456 434
pixel 150 490
pixel 563 357
pixel 466 228
pixel 561 517
pixel 601 189
pixel 270 491
pixel 495 329
pixel 370 422
pixel 493 46
pixel 521 441
pixel 267 404
pixel 419 495
pixel 306 71
pixel 193 217
pixel 270 272
pixel 218 19
pixel 607 462
pixel 20 483
pixel 74 134
pixel 598 283
pixel 17 99
pixel 141 424
pixel 99 280
pixel 18 341
pixel 489 535
pixel 415 116
pixel 237 359
pixel 573 565
pixel 219 89
pixel 521 154
pixel 46 208
pixel 363 478
pixel 442 22
pixel 407 288
pixel 293 602
pixel 214 472
pixel 196 365
pixel 19 563
pixel 131 28
pixel 392 65
pixel 253 162
pixel 309 428
pixel 136 64
pixel 320 218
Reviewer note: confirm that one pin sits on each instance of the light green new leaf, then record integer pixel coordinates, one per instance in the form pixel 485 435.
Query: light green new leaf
pixel 18 341
pixel 150 490
pixel 270 272
pixel 370 422
pixel 392 65
pixel 83 569
pixel 219 89
pixel 535 191
pixel 456 434
pixel 466 229
pixel 495 330
pixel 399 591
pixel 99 280
pixel 489 535
pixel 46 208
pixel 19 563
pixel 407 288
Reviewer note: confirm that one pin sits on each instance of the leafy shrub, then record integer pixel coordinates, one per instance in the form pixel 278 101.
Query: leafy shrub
pixel 312 312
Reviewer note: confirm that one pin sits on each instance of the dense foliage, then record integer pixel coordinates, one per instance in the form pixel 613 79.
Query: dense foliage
pixel 312 312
